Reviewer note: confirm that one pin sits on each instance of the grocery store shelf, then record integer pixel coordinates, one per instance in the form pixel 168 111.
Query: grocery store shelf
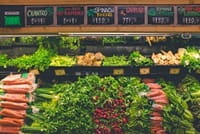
pixel 68 73
pixel 52 30
pixel 53 2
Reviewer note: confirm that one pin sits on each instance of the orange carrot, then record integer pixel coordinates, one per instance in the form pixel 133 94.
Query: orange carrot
pixel 13 105
pixel 13 113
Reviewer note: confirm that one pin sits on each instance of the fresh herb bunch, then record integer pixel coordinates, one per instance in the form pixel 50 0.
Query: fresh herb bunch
pixel 3 60
pixel 112 40
pixel 69 111
pixel 191 58
pixel 138 59
pixel 63 61
pixel 177 117
pixel 138 107
pixel 7 41
pixel 39 60
pixel 116 61
pixel 29 40
pixel 189 89
pixel 72 43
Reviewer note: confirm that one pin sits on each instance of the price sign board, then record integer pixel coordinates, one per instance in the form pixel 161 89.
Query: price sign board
pixel 100 15
pixel 189 15
pixel 70 15
pixel 161 15
pixel 144 71
pixel 174 70
pixel 12 16
pixel 130 15
pixel 118 71
pixel 60 72
pixel 39 16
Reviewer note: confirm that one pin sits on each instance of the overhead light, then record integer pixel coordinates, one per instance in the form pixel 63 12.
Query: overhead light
pixel 27 35
pixel 115 34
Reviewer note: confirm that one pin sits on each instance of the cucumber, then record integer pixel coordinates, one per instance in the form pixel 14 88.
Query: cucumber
pixel 196 94
pixel 34 117
pixel 45 96
pixel 32 130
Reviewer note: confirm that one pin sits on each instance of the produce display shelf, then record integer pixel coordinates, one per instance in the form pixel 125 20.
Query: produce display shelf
pixel 116 71
pixel 77 71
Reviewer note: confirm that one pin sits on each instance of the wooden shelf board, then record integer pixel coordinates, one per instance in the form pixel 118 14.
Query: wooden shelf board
pixel 73 29
pixel 61 2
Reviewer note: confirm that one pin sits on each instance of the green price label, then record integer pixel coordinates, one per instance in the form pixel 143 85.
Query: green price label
pixel 12 20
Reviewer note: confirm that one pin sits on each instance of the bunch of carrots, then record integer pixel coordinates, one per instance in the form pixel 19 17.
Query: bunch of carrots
pixel 160 99
pixel 14 102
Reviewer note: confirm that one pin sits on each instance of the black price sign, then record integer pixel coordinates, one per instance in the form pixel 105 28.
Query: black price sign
pixel 100 15
pixel 160 15
pixel 39 15
pixel 189 15
pixel 130 15
pixel 12 16
pixel 70 15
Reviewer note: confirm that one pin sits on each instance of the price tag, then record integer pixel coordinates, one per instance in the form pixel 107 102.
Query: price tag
pixel 35 71
pixel 118 71
pixel 144 71
pixel 77 73
pixel 198 71
pixel 60 72
pixel 174 71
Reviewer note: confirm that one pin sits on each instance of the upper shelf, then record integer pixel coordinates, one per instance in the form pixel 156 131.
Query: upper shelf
pixel 61 2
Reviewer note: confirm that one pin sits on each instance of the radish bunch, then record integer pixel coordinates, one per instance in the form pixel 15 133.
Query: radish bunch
pixel 158 96
pixel 110 118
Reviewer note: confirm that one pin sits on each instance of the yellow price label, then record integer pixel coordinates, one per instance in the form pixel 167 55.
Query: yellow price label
pixel 34 71
pixel 60 72
pixel 198 71
pixel 118 71
pixel 174 70
pixel 144 71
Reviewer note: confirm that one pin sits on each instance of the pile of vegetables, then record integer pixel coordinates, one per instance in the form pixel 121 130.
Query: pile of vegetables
pixel 154 39
pixel 112 40
pixel 138 59
pixel 110 105
pixel 72 43
pixel 3 60
pixel 160 100
pixel 189 89
pixel 177 119
pixel 115 61
pixel 90 59
pixel 191 58
pixel 63 61
pixel 138 106
pixel 92 104
pixel 167 58
pixel 40 60
pixel 14 101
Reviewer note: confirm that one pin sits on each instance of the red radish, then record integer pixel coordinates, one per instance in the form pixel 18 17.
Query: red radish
pixel 158 107
pixel 154 93
pixel 162 101
pixel 153 85
pixel 161 131
pixel 158 97
pixel 157 118
pixel 148 80
pixel 155 114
